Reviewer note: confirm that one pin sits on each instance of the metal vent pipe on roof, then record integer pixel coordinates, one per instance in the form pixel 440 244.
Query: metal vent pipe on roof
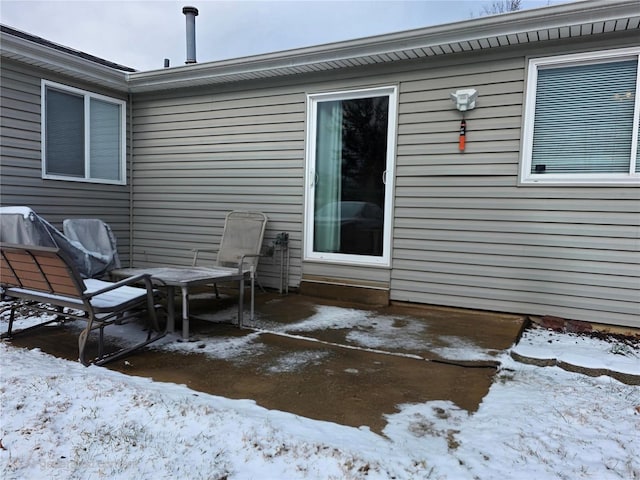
pixel 191 13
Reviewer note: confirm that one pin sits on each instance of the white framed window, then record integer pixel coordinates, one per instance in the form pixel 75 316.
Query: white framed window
pixel 581 119
pixel 350 174
pixel 83 135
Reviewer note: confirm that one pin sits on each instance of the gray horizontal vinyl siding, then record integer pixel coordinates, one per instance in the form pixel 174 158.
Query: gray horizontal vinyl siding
pixel 21 180
pixel 464 233
pixel 199 157
pixel 467 235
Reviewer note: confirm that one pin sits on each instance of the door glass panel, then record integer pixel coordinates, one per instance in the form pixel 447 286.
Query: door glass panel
pixel 350 164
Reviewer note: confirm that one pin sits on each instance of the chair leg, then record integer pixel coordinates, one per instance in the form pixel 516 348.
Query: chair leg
pixel 60 317
pixel 12 317
pixel 153 333
pixel 253 295
pixel 82 342
pixel 152 313
pixel 13 308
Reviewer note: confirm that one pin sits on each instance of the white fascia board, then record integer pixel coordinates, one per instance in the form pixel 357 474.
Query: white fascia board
pixel 268 65
pixel 47 58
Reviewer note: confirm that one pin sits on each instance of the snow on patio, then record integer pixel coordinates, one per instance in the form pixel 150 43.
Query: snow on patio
pixel 368 330
pixel 61 420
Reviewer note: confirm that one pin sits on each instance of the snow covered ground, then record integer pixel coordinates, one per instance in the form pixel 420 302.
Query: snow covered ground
pixel 61 420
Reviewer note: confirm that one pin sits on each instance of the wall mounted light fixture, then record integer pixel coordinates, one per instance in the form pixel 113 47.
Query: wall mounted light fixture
pixel 465 100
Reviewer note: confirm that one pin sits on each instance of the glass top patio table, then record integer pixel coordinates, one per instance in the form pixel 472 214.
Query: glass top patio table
pixel 184 278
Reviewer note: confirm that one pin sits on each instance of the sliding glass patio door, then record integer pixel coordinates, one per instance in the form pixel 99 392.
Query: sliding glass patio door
pixel 350 159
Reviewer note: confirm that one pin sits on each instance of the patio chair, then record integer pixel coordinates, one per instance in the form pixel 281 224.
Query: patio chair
pixel 46 280
pixel 240 245
pixel 95 236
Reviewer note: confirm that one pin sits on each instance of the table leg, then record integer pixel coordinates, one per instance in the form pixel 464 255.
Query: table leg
pixel 171 310
pixel 241 302
pixel 185 314
pixel 253 294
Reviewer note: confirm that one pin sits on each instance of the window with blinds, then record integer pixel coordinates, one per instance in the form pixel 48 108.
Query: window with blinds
pixel 581 119
pixel 82 135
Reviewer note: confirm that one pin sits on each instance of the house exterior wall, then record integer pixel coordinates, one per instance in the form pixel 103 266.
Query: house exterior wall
pixel 465 233
pixel 21 179
pixel 198 157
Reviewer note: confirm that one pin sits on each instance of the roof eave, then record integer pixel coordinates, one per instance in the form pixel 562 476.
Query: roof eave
pixel 41 56
pixel 361 51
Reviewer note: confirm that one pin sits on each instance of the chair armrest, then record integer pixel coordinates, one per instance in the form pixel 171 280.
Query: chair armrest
pixel 196 251
pixel 248 255
pixel 127 281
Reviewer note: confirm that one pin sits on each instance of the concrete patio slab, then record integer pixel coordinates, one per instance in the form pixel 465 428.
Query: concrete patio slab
pixel 323 360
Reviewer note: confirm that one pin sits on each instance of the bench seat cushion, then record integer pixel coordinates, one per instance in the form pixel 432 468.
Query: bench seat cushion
pixel 105 301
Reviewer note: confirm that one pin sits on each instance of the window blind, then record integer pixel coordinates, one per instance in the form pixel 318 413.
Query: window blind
pixel 104 140
pixel 64 133
pixel 584 118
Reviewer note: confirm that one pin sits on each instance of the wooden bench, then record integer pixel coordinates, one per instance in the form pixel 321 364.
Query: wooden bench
pixel 43 279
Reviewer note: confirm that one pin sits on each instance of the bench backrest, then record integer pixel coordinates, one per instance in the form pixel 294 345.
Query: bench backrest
pixel 42 269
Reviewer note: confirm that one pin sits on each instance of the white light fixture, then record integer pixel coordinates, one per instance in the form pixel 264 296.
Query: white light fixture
pixel 465 99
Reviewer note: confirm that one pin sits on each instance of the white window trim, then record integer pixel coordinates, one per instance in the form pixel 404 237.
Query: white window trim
pixel 87 105
pixel 350 259
pixel 528 178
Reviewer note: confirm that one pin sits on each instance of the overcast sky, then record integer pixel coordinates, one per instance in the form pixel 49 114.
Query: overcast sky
pixel 141 34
